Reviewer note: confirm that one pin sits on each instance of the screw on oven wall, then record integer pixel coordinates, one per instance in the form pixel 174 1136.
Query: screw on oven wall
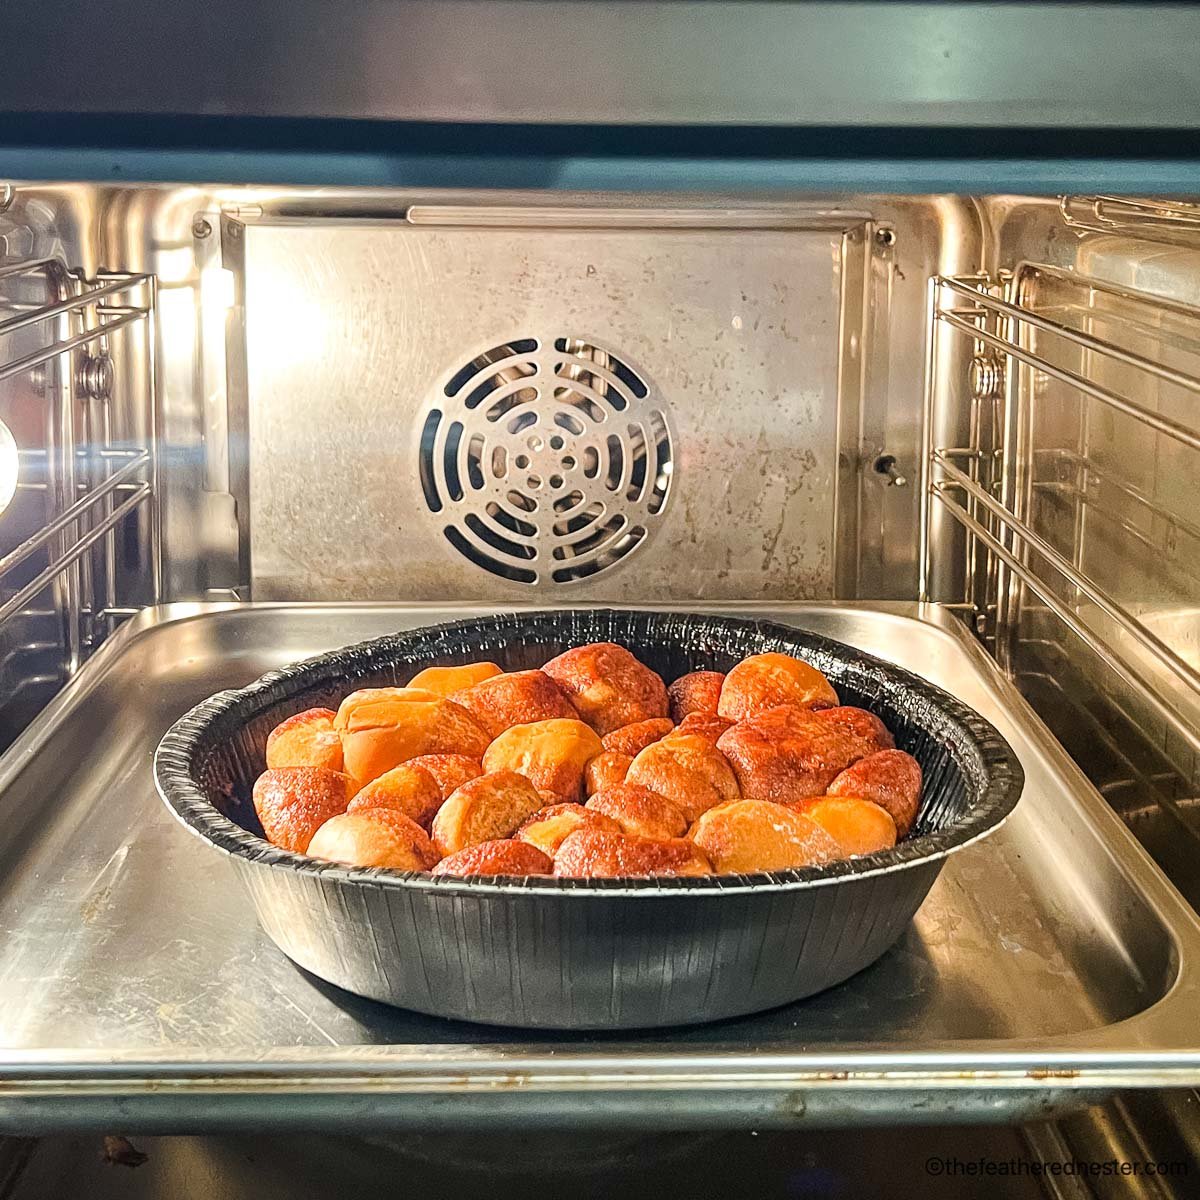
pixel 8 194
pixel 201 228
pixel 885 236
pixel 885 465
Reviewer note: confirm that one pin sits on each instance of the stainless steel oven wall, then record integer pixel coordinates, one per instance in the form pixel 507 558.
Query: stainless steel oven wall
pixel 1099 453
pixel 781 345
pixel 583 401
pixel 78 539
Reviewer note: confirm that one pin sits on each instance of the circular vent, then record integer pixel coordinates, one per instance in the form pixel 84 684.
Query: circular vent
pixel 549 460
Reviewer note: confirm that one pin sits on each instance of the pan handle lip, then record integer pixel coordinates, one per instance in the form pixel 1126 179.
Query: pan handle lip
pixel 175 756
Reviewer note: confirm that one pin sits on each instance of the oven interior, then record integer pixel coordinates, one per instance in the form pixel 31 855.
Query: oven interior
pixel 443 398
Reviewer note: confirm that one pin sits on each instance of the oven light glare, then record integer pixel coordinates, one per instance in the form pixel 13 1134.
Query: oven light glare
pixel 8 466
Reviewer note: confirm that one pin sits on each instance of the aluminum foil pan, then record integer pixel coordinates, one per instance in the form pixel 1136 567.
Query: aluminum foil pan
pixel 586 954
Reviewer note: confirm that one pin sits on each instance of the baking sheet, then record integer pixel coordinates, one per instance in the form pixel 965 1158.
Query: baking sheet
pixel 1049 965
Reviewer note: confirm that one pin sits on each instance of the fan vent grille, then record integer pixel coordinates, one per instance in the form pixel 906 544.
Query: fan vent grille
pixel 548 460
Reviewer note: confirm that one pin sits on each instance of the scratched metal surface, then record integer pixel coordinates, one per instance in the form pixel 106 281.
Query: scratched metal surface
pixel 351 328
pixel 120 936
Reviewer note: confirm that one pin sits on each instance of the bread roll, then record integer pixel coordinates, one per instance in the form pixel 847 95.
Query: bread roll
pixel 706 725
pixel 608 686
pixel 294 802
pixel 307 739
pixel 501 857
pixel 518 698
pixel 548 827
pixel 405 789
pixel 449 771
pixel 889 778
pixel 374 837
pixel 689 770
pixel 858 826
pixel 858 723
pixel 550 754
pixel 383 727
pixel 697 692
pixel 640 812
pixel 745 836
pixel 445 681
pixel 594 854
pixel 604 771
pixel 483 810
pixel 785 753
pixel 765 681
pixel 633 739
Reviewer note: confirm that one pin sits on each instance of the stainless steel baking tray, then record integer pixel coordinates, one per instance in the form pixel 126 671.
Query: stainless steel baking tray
pixel 586 954
pixel 1050 965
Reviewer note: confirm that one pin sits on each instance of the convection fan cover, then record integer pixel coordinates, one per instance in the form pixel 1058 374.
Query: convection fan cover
pixel 547 460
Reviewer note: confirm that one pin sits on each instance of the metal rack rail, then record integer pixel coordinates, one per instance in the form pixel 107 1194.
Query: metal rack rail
pixel 992 492
pixel 92 480
pixel 1166 220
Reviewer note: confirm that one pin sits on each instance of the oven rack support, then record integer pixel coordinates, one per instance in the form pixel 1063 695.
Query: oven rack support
pixel 92 480
pixel 974 483
pixel 1160 220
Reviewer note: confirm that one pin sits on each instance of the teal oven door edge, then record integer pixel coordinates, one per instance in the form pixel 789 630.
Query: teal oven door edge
pixel 312 153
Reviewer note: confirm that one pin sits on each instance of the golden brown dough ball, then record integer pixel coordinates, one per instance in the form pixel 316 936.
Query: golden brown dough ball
pixel 405 789
pixel 889 778
pixel 449 771
pixel 518 698
pixel 608 686
pixel 374 837
pixel 705 725
pixel 604 771
pixel 445 681
pixel 307 739
pixel 294 802
pixel 483 810
pixel 633 739
pixel 383 727
pixel 858 826
pixel 765 681
pixel 640 812
pixel 858 723
pixel 689 770
pixel 785 753
pixel 550 754
pixel 746 836
pixel 549 826
pixel 594 854
pixel 696 692
pixel 501 857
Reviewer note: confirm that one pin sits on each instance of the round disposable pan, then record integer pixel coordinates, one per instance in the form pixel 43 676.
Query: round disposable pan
pixel 586 954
